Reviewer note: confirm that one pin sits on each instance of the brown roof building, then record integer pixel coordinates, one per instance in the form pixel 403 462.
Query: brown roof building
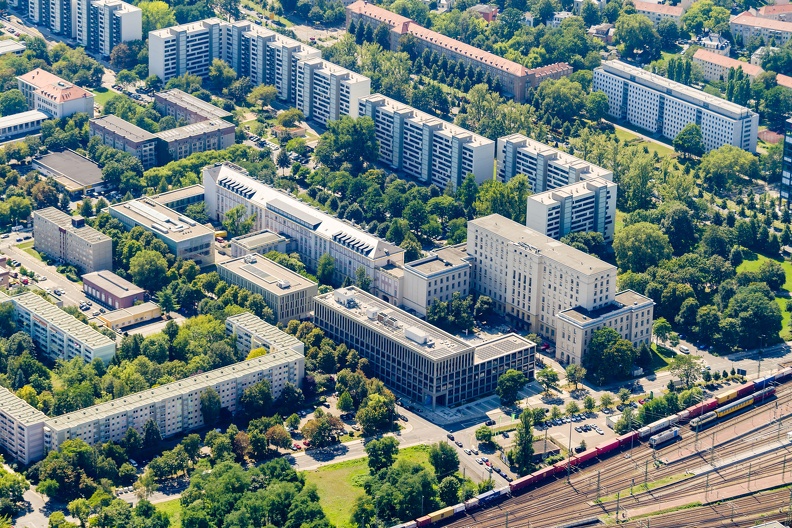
pixel 111 290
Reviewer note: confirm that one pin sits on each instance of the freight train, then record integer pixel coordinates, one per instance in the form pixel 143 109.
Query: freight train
pixel 759 390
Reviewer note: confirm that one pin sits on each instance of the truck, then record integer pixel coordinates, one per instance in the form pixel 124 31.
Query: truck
pixel 664 437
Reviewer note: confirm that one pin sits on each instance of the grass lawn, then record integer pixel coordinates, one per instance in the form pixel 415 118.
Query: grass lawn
pixel 633 139
pixel 102 95
pixel 27 247
pixel 340 484
pixel 661 356
pixel 173 510
pixel 753 265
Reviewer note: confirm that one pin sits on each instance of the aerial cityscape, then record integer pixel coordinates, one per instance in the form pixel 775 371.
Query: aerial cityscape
pixel 395 264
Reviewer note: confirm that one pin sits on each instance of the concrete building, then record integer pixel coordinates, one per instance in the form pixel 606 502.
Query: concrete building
pixel 100 25
pixel 532 277
pixel 250 332
pixel 747 26
pixel 585 206
pixel 21 124
pixel 426 147
pixel 180 199
pixel 55 15
pixel 67 239
pixel 415 359
pixel 74 174
pixel 57 334
pixel 435 278
pixel 5 273
pixel 12 46
pixel 782 12
pixel 716 67
pixel 261 242
pixel 54 96
pixel 714 43
pixel 785 190
pixel 657 12
pixel 176 406
pixel 188 48
pixel 665 107
pixel 311 231
pixel 546 167
pixel 126 317
pixel 123 135
pixel 21 428
pixel 178 143
pixel 185 238
pixel 287 293
pixel 630 314
pixel 112 291
pixel 325 92
pixel 558 18
pixel 181 105
pixel 758 56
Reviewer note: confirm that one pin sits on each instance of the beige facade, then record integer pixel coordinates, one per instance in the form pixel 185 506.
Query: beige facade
pixel 251 332
pixel 125 317
pixel 68 239
pixel 21 428
pixel 436 277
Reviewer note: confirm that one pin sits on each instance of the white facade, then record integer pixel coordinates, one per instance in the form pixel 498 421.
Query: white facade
pixel 658 11
pixel 662 106
pixel 189 48
pixel 325 92
pixel 100 25
pixel 436 277
pixel 67 239
pixel 54 96
pixel 747 26
pixel 21 428
pixel 425 147
pixel 585 206
pixel 758 56
pixel 21 124
pixel 55 15
pixel 252 332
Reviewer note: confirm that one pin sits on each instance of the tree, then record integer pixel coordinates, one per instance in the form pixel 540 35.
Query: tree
pixel 662 329
pixel 547 377
pixel 509 385
pixel 362 280
pixel 625 423
pixel 325 269
pixel 448 490
pixel 575 374
pixel 596 102
pixel 289 118
pixel 167 301
pixel 151 433
pixel 606 400
pixel 521 454
pixel 484 435
pixel 444 459
pixel 81 509
pixel 148 269
pixel 705 14
pixel 283 160
pixel 345 403
pixel 221 75
pixel 278 436
pixel 257 399
pixel 687 368
pixel 238 222
pixel 637 37
pixel 210 406
pixel 776 107
pixel 608 356
pixel 348 140
pixel 639 246
pixel 376 413
pixel 690 141
pixel 562 98
pixel 262 95
pixel 724 167
pixel 589 404
pixel 12 102
pixel 382 453
pixel 668 31
pixel 156 15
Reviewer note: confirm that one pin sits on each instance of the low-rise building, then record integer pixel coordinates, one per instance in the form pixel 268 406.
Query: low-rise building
pixel 186 238
pixel 748 26
pixel 181 105
pixel 112 291
pixel 134 315
pixel 5 273
pixel 21 428
pixel 12 46
pixel 287 293
pixel 716 68
pixel 53 95
pixel 261 242
pixel 68 239
pixel 251 332
pixel 485 11
pixel 436 277
pixel 180 199
pixel 123 135
pixel 715 43
pixel 21 124
pixel 558 18
pixel 603 32
pixel 178 143
pixel 657 12
pixel 74 174
pixel 758 56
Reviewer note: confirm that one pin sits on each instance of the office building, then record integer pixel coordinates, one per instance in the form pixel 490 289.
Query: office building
pixel 658 11
pixel 21 124
pixel 665 107
pixel 312 232
pixel 54 96
pixel 531 277
pixel 415 359
pixel 287 293
pixel 57 334
pixel 55 15
pixel 134 315
pixel 545 167
pixel 112 291
pixel 772 32
pixel 21 428
pixel 73 173
pixel 514 78
pixel 188 48
pixel 261 242
pixel 67 239
pixel 181 105
pixel 101 25
pixel 180 199
pixel 176 406
pixel 12 46
pixel 630 314
pixel 185 238
pixel 435 278
pixel 123 135
pixel 326 92
pixel 426 147
pixel 251 332
pixel 589 205
pixel 178 143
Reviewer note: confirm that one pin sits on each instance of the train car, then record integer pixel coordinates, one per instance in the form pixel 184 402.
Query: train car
pixel 628 438
pixel 606 447
pixel 486 497
pixel 783 374
pixel 701 421
pixel 459 508
pixel 523 482
pixel 665 436
pixel 763 394
pixel 683 416
pixel 746 389
pixel 658 426
pixel 439 515
pixel 411 524
pixel 585 456
pixel 420 522
pixel 561 467
pixel 761 383
pixel 726 397
pixel 472 504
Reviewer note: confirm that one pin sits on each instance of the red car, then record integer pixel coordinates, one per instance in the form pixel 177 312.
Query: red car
pixel 545 346
pixel 296 447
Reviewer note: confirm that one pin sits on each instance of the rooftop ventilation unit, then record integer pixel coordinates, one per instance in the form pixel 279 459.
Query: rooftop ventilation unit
pixel 284 284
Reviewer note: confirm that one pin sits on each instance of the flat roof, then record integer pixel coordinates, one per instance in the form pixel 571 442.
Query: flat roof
pixel 272 335
pixel 200 25
pixel 169 197
pixel 441 260
pixel 112 283
pixel 581 189
pixel 660 9
pixel 71 166
pixel 18 409
pixel 169 390
pixel 64 321
pixel 394 323
pixel 558 157
pixel 161 220
pixel 64 221
pixel 267 274
pixel 123 128
pixel 195 129
pixel 543 245
pixel 258 238
pixel 124 313
pixel 22 118
pixel 191 103
pixel 623 299
pixel 501 346
pixel 11 46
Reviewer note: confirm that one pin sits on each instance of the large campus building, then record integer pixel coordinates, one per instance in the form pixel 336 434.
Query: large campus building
pixel 436 277
pixel 56 97
pixel 100 25
pixel 665 107
pixel 68 239
pixel 416 359
pixel 426 147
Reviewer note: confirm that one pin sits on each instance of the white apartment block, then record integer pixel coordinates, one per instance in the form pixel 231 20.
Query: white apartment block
pixel 21 428
pixel 546 167
pixel 657 12
pixel 589 205
pixel 435 278
pixel 774 32
pixel 630 314
pixel 250 332
pixel 188 48
pixel 57 334
pixel 67 239
pixel 48 93
pixel 426 147
pixel 100 25
pixel 665 107
pixel 175 407
pixel 326 92
pixel 312 232
pixel 532 277
pixel 55 15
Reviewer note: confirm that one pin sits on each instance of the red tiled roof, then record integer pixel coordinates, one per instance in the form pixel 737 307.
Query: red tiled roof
pixel 362 7
pixel 784 80
pixel 747 19
pixel 775 10
pixel 661 9
pixel 53 87
pixel 707 56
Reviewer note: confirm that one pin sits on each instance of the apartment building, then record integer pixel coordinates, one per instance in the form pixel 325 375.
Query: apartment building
pixel 589 205
pixel 287 293
pixel 773 32
pixel 415 359
pixel 185 238
pixel 178 143
pixel 57 334
pixel 188 48
pixel 21 124
pixel 250 332
pixel 176 406
pixel 55 15
pixel 532 277
pixel 758 56
pixel 657 12
pixel 67 239
pixel 785 190
pixel 261 242
pixel 716 67
pixel 312 232
pixel 665 107
pixel 781 12
pixel 326 92
pixel 436 277
pixel 181 105
pixel 630 314
pixel 100 25
pixel 112 291
pixel 123 135
pixel 426 147
pixel 545 167
pixel 54 96
pixel 21 428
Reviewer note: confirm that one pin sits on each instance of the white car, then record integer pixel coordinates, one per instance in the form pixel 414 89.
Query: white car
pixel 467 451
pixel 479 461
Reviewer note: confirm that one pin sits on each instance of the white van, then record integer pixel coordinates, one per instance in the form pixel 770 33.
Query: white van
pixel 684 349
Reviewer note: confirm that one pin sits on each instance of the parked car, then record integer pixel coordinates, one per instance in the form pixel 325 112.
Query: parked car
pixel 458 443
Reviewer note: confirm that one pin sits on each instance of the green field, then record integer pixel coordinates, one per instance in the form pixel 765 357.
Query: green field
pixel 27 247
pixel 633 139
pixel 340 484
pixel 753 265
pixel 661 356
pixel 102 95
pixel 173 509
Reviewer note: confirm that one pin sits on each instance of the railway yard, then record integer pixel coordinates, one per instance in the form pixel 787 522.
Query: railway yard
pixel 733 471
